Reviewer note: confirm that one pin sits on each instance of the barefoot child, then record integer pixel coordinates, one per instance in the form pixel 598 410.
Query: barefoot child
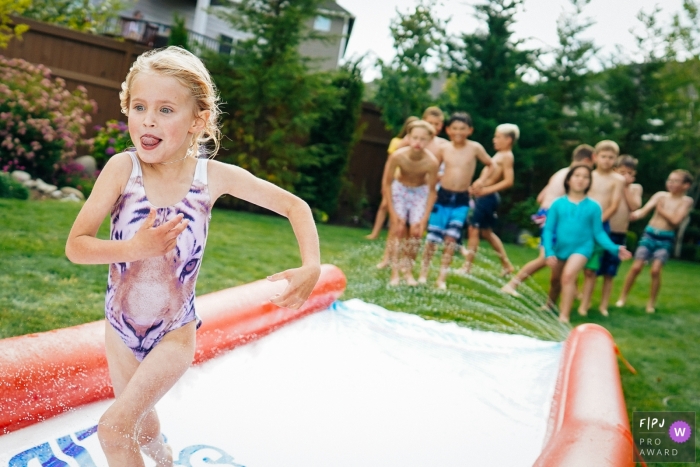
pixel 380 218
pixel 619 223
pixel 160 196
pixel 493 179
pixel 607 187
pixel 450 210
pixel 582 155
pixel 410 197
pixel 436 118
pixel 672 207
pixel 572 229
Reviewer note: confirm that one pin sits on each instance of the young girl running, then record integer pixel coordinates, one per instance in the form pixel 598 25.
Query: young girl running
pixel 160 196
pixel 574 224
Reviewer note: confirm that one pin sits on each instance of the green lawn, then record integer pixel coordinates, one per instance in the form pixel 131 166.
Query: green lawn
pixel 41 290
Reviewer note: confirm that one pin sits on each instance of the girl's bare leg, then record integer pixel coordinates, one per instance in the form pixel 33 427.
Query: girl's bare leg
pixel 497 245
pixel 634 271
pixel 589 281
pixel 379 220
pixel 605 297
pixel 131 421
pixel 656 267
pixel 428 253
pixel 555 283
pixel 573 266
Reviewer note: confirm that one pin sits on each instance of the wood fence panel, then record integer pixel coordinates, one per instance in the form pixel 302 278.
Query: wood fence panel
pixel 98 63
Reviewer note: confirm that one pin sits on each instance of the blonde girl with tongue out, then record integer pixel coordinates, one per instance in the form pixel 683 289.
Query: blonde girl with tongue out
pixel 159 197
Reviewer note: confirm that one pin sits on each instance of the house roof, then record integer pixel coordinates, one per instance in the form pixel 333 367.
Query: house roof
pixel 330 5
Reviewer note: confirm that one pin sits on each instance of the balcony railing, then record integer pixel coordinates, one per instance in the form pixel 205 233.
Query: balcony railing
pixel 154 34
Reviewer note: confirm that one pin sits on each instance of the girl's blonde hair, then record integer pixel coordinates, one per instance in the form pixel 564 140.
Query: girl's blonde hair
pixel 404 128
pixel 191 73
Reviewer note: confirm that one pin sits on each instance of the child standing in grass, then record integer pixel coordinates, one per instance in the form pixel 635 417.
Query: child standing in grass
pixel 572 229
pixel 160 196
pixel 671 208
pixel 411 196
pixel 626 166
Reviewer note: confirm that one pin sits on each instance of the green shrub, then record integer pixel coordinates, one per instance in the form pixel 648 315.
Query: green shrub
pixel 110 139
pixel 41 122
pixel 521 213
pixel 10 188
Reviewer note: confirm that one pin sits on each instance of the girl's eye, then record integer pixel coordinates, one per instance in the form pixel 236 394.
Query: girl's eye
pixel 138 107
pixel 166 110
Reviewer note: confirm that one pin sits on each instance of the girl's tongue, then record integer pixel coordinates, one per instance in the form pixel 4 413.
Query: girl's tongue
pixel 149 141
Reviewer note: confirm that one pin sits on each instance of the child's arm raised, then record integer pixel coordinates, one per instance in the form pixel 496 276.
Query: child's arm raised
pixel 83 247
pixel 633 196
pixel 651 204
pixel 617 195
pixel 675 217
pixel 232 180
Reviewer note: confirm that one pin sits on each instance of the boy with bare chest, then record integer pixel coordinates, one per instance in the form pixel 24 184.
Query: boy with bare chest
pixel 450 210
pixel 410 198
pixel 672 207
pixel 607 188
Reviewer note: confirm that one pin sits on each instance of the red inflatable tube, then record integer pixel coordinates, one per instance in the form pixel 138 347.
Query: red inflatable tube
pixel 588 424
pixel 45 374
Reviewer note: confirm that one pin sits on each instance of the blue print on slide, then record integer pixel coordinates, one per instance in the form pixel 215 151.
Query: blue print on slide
pixel 45 455
pixel 190 453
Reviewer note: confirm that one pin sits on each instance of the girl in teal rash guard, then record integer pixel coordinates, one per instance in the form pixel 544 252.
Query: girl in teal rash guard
pixel 574 224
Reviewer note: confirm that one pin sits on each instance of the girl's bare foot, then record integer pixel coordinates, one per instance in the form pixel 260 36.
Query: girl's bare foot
pixel 394 281
pixel 651 309
pixel 507 270
pixel 563 319
pixel 371 237
pixel 441 285
pixel 382 264
pixel 604 312
pixel 422 279
pixel 159 451
pixel 620 303
pixel 410 280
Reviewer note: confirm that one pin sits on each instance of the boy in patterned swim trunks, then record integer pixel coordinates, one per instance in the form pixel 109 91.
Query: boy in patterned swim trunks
pixel 672 207
pixel 410 198
pixel 450 211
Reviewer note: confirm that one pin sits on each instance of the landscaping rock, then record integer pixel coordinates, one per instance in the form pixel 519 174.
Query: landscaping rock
pixel 71 197
pixel 21 176
pixel 57 194
pixel 44 187
pixel 30 183
pixel 89 164
pixel 68 190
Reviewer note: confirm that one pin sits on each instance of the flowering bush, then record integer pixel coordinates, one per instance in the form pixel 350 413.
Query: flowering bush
pixel 109 140
pixel 73 174
pixel 41 122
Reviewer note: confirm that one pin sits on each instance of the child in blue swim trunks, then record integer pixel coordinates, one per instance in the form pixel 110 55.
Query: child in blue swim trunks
pixel 576 222
pixel 671 208
pixel 449 213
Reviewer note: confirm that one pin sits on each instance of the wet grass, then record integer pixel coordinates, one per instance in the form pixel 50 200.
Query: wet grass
pixel 41 290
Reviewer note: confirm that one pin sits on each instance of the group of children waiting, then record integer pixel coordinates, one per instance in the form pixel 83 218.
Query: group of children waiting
pixel 584 214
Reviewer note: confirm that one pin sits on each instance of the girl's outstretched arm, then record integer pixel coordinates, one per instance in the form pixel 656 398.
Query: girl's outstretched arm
pixel 232 180
pixel 84 248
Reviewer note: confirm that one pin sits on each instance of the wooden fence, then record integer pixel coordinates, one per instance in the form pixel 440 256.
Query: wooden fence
pixel 97 62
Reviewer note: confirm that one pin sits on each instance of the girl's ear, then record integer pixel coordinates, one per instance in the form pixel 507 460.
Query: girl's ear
pixel 200 121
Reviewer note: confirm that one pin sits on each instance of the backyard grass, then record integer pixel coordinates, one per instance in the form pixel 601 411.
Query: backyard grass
pixel 41 290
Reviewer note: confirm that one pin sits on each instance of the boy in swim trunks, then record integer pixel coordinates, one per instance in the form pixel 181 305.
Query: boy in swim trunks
pixel 607 188
pixel 450 211
pixel 410 197
pixel 582 155
pixel 672 207
pixel 619 223
pixel 498 177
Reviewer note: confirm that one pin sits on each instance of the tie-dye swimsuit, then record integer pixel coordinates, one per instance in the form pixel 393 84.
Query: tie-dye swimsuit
pixel 146 299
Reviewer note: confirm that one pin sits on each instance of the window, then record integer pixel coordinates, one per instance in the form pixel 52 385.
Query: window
pixel 322 24
pixel 225 44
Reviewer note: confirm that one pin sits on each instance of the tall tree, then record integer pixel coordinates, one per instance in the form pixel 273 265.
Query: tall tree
pixel 270 96
pixel 404 88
